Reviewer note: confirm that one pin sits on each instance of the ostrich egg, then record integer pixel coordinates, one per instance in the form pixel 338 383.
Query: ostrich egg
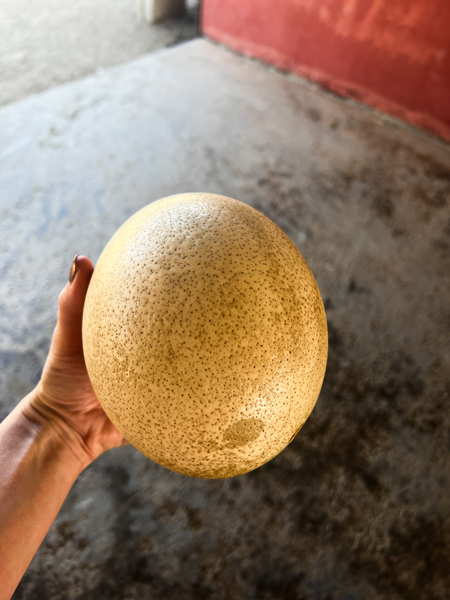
pixel 205 336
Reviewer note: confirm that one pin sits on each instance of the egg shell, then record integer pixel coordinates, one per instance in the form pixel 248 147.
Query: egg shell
pixel 205 335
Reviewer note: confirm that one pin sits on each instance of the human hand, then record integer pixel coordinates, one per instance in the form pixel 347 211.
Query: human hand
pixel 64 398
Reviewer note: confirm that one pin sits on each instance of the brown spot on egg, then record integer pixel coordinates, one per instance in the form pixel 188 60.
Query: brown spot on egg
pixel 243 432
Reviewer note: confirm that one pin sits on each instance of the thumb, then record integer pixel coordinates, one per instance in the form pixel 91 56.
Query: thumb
pixel 67 339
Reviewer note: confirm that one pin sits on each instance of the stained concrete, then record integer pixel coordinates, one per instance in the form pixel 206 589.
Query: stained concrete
pixel 356 507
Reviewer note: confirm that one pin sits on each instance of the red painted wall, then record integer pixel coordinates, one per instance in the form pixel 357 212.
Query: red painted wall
pixel 392 54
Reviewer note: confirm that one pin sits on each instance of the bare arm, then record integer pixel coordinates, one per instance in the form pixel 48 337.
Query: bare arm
pixel 37 470
pixel 48 439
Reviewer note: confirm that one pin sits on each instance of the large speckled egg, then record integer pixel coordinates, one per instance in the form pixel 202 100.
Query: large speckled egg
pixel 205 335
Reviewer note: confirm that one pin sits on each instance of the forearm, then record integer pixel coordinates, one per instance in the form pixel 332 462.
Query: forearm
pixel 37 470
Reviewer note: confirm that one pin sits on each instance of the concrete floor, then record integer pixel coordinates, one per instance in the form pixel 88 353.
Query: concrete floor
pixel 356 507
pixel 46 43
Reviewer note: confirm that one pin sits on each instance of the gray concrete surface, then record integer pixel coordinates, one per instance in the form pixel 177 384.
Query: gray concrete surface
pixel 46 43
pixel 356 507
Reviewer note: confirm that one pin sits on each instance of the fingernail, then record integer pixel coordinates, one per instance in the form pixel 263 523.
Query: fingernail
pixel 73 269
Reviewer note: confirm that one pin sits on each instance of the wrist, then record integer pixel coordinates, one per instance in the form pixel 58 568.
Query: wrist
pixel 45 426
